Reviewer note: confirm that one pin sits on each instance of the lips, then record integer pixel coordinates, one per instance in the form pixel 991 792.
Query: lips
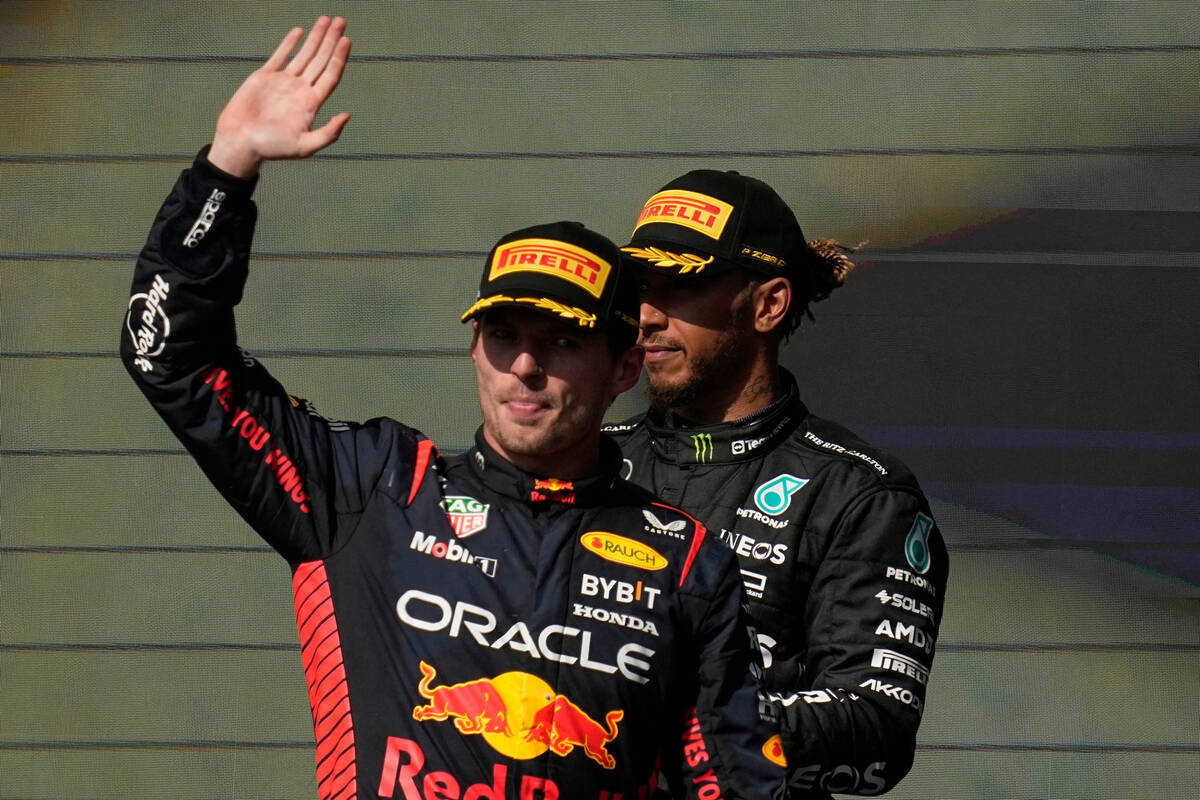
pixel 525 407
pixel 659 350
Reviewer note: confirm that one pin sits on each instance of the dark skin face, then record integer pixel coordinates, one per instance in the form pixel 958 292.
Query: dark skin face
pixel 712 343
pixel 545 384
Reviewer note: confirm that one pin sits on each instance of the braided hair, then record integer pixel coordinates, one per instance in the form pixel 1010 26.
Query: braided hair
pixel 825 269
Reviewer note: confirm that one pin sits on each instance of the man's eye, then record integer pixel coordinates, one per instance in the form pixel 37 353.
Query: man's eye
pixel 565 341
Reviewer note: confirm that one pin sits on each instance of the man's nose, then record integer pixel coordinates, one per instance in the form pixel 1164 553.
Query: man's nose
pixel 526 365
pixel 650 316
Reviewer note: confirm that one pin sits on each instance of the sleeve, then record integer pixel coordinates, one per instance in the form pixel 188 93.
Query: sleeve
pixel 299 480
pixel 871 624
pixel 729 748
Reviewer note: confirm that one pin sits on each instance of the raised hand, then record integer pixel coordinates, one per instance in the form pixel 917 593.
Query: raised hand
pixel 271 114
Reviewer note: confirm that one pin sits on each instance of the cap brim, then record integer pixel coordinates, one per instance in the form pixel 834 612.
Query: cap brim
pixel 546 304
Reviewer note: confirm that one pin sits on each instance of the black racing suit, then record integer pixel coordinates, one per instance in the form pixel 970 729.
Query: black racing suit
pixel 467 630
pixel 844 568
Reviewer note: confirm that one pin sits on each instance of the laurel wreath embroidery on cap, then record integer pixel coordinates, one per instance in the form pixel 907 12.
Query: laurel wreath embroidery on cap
pixel 661 258
pixel 571 312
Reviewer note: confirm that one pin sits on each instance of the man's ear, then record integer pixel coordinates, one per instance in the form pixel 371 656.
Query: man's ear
pixel 627 370
pixel 474 336
pixel 772 298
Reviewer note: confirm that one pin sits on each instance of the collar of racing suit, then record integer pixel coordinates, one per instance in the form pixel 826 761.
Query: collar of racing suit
pixel 676 441
pixel 502 476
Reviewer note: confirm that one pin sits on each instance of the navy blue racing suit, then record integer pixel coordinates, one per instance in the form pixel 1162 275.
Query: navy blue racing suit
pixel 467 630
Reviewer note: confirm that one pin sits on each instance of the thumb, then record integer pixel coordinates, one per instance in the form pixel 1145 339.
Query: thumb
pixel 322 137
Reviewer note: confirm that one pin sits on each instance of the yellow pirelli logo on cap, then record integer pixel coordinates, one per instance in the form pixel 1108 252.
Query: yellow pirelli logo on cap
pixel 699 212
pixel 551 257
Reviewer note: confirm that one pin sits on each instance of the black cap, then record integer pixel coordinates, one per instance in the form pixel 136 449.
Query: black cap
pixel 709 221
pixel 561 268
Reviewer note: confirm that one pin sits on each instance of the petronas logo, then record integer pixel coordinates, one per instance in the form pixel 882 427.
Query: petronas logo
pixel 916 546
pixel 704 447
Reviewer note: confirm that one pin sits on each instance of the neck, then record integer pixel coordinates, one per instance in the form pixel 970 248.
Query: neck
pixel 746 394
pixel 577 461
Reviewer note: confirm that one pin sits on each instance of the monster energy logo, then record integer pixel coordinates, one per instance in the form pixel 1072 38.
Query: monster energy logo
pixel 704 447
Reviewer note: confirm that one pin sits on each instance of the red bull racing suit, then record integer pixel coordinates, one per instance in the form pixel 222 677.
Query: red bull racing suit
pixel 467 630
pixel 844 568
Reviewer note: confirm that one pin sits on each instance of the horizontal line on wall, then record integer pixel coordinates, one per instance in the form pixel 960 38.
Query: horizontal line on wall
pixel 132 549
pixel 266 255
pixel 122 647
pixel 1088 258
pixel 126 452
pixel 1011 543
pixel 1186 148
pixel 170 744
pixel 316 352
pixel 701 55
pixel 1082 747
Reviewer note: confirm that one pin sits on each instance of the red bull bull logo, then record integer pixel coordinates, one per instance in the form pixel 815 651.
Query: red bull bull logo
pixel 475 706
pixel 559 491
pixel 551 257
pixel 693 210
pixel 562 726
pixel 518 715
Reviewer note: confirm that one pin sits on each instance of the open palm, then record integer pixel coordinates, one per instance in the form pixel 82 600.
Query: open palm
pixel 271 114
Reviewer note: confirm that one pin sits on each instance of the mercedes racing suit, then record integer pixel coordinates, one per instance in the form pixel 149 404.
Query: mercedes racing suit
pixel 845 571
pixel 467 630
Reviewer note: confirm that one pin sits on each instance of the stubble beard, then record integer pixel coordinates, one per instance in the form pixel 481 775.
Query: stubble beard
pixel 707 372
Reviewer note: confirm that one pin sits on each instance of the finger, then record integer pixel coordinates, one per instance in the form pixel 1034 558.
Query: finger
pixel 332 36
pixel 310 46
pixel 331 76
pixel 285 48
pixel 322 137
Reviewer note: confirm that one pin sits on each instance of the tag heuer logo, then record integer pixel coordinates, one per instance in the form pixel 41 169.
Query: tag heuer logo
pixel 466 514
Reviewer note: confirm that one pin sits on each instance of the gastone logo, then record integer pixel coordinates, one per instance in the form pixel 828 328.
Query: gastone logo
pixel 699 212
pixel 704 447
pixel 774 496
pixel 621 550
pixel 916 546
pixel 550 257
